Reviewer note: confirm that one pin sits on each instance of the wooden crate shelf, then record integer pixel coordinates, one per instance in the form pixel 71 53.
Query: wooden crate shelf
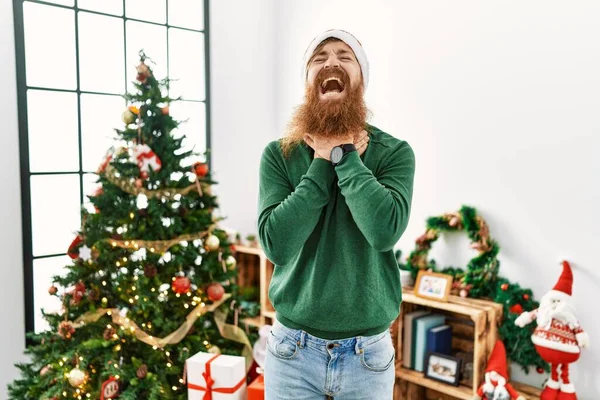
pixel 478 337
pixel 255 269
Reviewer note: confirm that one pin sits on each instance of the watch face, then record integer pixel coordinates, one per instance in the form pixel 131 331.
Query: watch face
pixel 336 154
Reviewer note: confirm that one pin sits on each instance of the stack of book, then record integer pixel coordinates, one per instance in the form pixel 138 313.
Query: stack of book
pixel 424 332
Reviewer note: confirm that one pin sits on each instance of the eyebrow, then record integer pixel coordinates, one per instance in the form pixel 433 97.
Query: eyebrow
pixel 338 52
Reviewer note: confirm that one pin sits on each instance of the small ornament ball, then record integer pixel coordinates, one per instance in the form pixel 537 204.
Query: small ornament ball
pixel 128 117
pixel 45 370
pixel 504 286
pixel 540 370
pixel 201 169
pixel 215 292
pixel 138 183
pixel 165 110
pixel 231 262
pixel 214 349
pixel 52 290
pixel 526 296
pixel 464 293
pixel 76 377
pixel 181 285
pixel 212 242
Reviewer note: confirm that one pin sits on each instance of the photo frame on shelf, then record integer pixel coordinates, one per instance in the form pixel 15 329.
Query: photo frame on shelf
pixel 443 368
pixel 432 285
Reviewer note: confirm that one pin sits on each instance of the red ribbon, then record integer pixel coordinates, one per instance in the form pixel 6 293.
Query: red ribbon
pixel 210 382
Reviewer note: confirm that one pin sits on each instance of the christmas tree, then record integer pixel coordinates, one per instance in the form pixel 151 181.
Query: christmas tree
pixel 152 278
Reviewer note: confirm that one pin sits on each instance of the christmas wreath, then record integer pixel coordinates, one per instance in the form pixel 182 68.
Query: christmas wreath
pixel 480 279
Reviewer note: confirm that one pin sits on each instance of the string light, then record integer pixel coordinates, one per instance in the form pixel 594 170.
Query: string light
pixel 168 365
pixel 135 278
pixel 131 215
pixel 103 283
pixel 133 288
pixel 118 264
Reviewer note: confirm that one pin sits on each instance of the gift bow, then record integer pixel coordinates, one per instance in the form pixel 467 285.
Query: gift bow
pixel 210 382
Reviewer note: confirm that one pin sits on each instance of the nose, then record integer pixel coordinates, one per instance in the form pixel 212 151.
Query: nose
pixel 332 63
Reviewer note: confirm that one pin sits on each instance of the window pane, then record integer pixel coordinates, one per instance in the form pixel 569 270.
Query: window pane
pixel 194 128
pixel 186 64
pixel 43 271
pixel 55 212
pixel 63 2
pixel 49 46
pixel 100 114
pixel 187 14
pixel 53 142
pixel 101 53
pixel 148 10
pixel 153 40
pixel 114 7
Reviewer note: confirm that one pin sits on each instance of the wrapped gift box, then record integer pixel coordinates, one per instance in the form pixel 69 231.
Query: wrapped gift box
pixel 256 390
pixel 223 376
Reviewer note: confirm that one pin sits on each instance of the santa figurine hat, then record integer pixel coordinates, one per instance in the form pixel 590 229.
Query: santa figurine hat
pixel 497 361
pixel 564 287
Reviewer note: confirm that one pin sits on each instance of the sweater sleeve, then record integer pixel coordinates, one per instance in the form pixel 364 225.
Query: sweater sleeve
pixel 379 205
pixel 287 216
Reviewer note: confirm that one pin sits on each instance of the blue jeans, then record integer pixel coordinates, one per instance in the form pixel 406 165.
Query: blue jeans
pixel 301 366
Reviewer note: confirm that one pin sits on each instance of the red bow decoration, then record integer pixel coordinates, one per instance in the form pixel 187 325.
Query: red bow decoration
pixel 210 382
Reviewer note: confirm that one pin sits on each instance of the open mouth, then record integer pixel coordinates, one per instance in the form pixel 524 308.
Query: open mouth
pixel 332 86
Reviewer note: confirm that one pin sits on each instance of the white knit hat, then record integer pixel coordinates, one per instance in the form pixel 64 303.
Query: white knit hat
pixel 347 38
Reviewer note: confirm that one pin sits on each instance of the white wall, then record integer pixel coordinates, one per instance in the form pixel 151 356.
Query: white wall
pixel 242 101
pixel 12 339
pixel 500 101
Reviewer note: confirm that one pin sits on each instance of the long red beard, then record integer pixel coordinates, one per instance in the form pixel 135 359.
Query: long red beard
pixel 330 118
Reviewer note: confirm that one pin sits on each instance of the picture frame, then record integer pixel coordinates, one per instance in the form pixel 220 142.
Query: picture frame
pixel 432 285
pixel 443 368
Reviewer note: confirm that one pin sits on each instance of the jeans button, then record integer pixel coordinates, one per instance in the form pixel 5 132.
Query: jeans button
pixel 330 346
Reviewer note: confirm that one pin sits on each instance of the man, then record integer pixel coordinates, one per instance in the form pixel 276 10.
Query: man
pixel 335 196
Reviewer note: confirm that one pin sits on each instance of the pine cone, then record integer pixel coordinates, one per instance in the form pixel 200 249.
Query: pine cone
pixel 142 371
pixel 109 333
pixel 150 271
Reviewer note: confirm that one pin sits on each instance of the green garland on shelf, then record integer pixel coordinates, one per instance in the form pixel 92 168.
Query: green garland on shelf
pixel 480 279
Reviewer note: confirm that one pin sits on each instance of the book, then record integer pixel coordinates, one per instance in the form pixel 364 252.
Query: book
pixel 407 340
pixel 439 340
pixel 420 328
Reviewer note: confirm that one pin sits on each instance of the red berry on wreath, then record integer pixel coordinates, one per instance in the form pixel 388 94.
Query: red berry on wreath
pixel 201 169
pixel 181 285
pixel 144 175
pixel 516 309
pixel 526 296
pixel 504 286
pixel 215 292
pixel 540 370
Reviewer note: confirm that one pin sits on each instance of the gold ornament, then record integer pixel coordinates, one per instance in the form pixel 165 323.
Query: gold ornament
pixel 77 377
pixel 214 349
pixel 212 242
pixel 231 262
pixel 128 117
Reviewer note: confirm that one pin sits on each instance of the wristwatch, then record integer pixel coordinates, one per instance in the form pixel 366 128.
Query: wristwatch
pixel 338 152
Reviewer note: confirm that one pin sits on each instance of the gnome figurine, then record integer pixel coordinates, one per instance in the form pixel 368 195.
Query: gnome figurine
pixel 558 337
pixel 496 386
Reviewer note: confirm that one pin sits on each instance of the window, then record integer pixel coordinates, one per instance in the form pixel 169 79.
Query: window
pixel 75 58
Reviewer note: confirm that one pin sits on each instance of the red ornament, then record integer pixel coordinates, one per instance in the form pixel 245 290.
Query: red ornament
pixel 516 309
pixel 66 329
pixel 165 110
pixel 201 169
pixel 71 252
pixel 540 370
pixel 215 292
pixel 526 296
pixel 232 247
pixel 52 290
pixel 504 286
pixel 181 285
pixel 144 175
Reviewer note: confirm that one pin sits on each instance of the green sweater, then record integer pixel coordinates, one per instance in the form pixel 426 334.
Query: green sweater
pixel 331 232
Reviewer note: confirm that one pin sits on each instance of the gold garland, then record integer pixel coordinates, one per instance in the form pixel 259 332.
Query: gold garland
pixel 129 187
pixel 227 331
pixel 160 246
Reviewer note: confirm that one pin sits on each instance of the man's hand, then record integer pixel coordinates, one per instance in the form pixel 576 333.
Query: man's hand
pixel 322 146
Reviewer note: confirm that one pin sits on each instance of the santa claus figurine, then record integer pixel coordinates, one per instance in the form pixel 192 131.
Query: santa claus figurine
pixel 496 386
pixel 558 336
